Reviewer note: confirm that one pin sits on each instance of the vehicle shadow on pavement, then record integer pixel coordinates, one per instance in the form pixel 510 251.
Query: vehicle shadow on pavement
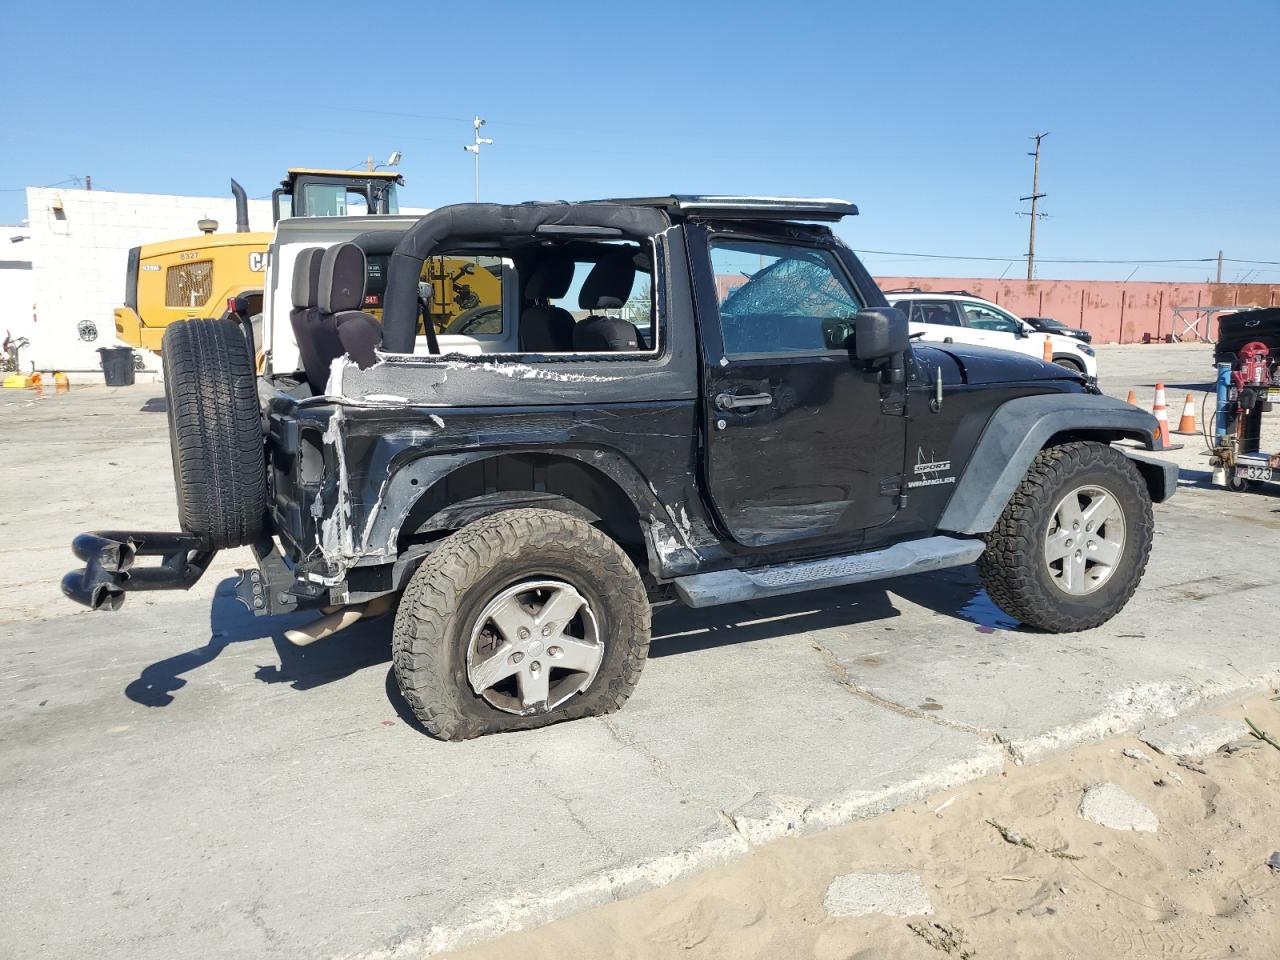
pixel 678 629
pixel 955 593
pixel 362 645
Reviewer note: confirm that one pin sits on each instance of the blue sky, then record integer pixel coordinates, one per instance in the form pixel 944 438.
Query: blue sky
pixel 1162 117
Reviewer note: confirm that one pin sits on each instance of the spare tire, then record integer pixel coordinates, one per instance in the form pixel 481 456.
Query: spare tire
pixel 215 432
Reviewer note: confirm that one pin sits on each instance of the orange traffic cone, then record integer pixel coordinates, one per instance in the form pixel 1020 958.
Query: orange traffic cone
pixel 1132 398
pixel 1048 350
pixel 1161 413
pixel 1187 424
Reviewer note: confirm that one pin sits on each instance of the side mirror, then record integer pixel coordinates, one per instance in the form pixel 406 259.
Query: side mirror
pixel 880 332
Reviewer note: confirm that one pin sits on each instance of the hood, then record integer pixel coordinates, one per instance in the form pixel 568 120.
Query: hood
pixel 1072 332
pixel 1064 340
pixel 990 365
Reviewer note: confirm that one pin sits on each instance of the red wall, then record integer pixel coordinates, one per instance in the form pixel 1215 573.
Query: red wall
pixel 1113 311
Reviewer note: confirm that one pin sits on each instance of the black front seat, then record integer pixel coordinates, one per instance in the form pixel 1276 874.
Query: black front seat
pixel 606 288
pixel 337 326
pixel 305 296
pixel 544 328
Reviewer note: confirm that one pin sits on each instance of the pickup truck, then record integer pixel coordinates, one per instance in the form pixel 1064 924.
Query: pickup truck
pixel 701 399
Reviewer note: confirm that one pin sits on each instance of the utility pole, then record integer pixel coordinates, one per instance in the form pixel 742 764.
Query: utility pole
pixel 1034 198
pixel 368 163
pixel 474 147
pixel 1219 266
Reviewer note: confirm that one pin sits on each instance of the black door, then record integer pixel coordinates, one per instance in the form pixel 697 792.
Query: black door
pixel 800 444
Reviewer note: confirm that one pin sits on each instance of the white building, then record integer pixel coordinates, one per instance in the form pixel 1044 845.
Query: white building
pixel 17 294
pixel 75 266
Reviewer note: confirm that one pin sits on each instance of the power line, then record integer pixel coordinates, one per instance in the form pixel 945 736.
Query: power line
pixel 45 186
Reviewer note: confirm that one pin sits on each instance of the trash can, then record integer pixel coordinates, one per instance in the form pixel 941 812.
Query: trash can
pixel 117 365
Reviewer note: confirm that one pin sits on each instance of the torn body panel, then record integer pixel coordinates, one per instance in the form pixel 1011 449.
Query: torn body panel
pixel 386 474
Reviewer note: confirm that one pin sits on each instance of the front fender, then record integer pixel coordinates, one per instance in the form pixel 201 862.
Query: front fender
pixel 1021 428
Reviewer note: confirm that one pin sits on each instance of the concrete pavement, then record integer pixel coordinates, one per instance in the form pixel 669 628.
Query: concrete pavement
pixel 176 777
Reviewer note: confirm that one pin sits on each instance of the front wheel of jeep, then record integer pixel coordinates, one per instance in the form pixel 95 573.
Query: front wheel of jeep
pixel 1072 544
pixel 519 620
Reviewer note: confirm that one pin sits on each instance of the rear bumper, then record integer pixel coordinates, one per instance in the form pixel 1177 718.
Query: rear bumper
pixel 110 571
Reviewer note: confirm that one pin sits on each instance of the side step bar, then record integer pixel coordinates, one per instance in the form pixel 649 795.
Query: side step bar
pixel 914 556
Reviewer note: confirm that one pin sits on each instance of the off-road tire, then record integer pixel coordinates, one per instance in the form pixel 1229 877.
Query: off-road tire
pixel 1012 566
pixel 449 590
pixel 215 432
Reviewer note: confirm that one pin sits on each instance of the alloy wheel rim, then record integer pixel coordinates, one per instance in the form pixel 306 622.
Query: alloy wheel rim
pixel 534 645
pixel 1085 540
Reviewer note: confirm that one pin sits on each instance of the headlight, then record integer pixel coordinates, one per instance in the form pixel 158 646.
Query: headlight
pixel 1085 349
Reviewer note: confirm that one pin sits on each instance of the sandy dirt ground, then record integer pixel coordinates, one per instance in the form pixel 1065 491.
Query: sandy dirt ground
pixel 1008 866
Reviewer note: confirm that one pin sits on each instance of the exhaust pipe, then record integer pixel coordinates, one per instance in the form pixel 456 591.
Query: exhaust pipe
pixel 113 556
pixel 242 207
pixel 109 569
pixel 97 591
pixel 339 618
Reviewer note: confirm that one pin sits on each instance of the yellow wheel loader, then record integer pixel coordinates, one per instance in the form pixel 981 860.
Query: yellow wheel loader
pixel 215 274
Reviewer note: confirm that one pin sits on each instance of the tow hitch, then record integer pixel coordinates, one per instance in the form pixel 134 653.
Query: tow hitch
pixel 109 568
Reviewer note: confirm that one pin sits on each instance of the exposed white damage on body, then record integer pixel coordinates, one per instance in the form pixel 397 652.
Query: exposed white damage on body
pixel 381 398
pixel 335 530
pixel 524 371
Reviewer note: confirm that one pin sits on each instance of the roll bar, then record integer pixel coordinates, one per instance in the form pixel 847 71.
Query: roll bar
pixel 470 222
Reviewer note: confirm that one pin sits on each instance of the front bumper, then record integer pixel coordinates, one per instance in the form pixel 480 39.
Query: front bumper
pixel 1161 475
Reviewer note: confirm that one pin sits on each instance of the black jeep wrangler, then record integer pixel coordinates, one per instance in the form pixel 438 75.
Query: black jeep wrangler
pixel 703 399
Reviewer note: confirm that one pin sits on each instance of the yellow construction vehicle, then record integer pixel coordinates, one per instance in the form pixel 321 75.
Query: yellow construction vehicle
pixel 203 276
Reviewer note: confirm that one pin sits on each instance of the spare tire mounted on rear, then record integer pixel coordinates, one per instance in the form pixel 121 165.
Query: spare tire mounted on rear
pixel 215 432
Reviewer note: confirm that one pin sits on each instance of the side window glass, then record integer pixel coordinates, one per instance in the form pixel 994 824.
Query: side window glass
pixel 984 318
pixel 938 312
pixel 633 303
pixel 780 298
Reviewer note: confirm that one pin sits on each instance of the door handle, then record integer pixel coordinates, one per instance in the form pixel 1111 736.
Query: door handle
pixel 729 401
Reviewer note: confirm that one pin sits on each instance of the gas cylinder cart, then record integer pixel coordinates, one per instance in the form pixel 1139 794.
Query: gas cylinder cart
pixel 1247 356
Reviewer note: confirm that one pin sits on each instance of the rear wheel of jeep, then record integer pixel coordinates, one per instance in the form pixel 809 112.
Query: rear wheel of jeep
pixel 215 432
pixel 1073 541
pixel 519 620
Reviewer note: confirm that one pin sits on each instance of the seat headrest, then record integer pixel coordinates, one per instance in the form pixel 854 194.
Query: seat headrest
pixel 342 278
pixel 609 283
pixel 599 334
pixel 550 278
pixel 306 277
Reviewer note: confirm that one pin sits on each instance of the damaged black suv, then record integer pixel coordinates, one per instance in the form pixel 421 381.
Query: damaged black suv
pixel 702 399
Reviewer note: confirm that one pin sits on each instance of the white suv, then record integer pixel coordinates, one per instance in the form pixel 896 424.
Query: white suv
pixel 957 316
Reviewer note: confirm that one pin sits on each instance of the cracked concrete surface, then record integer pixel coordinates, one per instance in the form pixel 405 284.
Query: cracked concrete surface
pixel 176 777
